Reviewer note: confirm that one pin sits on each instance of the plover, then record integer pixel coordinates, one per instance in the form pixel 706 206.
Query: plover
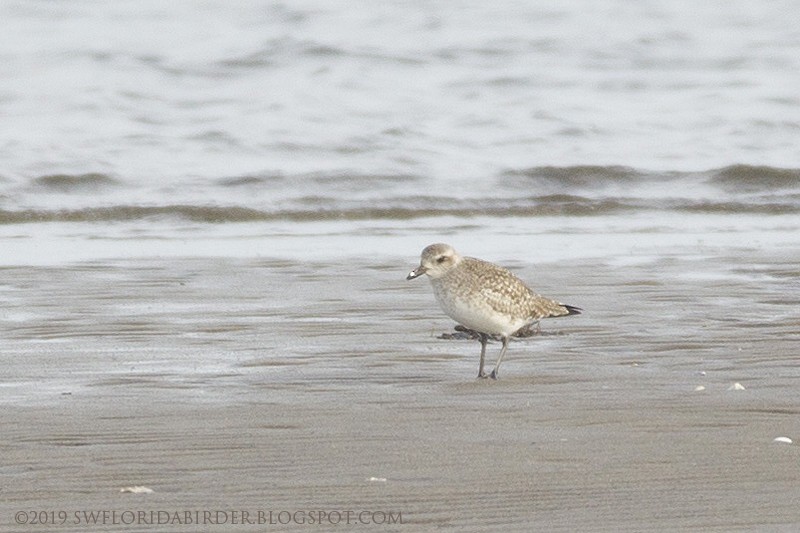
pixel 484 297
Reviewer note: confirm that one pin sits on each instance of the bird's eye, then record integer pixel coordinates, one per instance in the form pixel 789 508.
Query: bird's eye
pixel 441 259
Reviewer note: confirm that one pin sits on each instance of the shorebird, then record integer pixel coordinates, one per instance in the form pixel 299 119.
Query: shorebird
pixel 484 297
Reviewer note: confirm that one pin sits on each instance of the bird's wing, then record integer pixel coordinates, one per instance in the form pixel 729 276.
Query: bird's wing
pixel 508 294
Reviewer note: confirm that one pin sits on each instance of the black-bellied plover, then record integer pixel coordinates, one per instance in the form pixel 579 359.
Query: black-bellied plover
pixel 484 297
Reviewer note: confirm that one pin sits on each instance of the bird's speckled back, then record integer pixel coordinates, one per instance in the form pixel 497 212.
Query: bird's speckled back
pixel 485 284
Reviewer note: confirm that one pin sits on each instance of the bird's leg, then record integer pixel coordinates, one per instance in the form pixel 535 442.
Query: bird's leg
pixel 493 375
pixel 484 338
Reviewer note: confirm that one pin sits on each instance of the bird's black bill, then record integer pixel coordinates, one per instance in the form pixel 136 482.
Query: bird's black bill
pixel 417 272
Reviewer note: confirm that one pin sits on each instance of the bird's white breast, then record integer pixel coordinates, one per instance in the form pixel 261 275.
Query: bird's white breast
pixel 473 312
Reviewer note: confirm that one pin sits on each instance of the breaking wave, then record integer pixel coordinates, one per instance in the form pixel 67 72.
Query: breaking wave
pixel 578 191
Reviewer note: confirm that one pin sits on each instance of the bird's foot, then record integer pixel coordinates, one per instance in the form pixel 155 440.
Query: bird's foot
pixel 493 375
pixel 482 375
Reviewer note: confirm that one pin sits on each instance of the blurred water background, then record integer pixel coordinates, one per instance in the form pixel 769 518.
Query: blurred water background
pixel 288 129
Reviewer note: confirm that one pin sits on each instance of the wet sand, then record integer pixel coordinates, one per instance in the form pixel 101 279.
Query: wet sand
pixel 257 385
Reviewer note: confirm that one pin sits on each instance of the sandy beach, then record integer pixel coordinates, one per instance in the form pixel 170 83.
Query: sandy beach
pixel 292 394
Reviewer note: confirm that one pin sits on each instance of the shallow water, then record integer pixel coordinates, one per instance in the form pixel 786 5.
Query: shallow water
pixel 177 95
pixel 194 317
pixel 270 112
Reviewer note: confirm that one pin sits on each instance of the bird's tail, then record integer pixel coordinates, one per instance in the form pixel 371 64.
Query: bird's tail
pixel 572 310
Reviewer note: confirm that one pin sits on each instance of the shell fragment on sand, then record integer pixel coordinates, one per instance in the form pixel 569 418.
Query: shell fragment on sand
pixel 138 489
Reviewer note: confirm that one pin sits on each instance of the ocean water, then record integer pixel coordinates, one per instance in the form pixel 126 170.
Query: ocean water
pixel 283 129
